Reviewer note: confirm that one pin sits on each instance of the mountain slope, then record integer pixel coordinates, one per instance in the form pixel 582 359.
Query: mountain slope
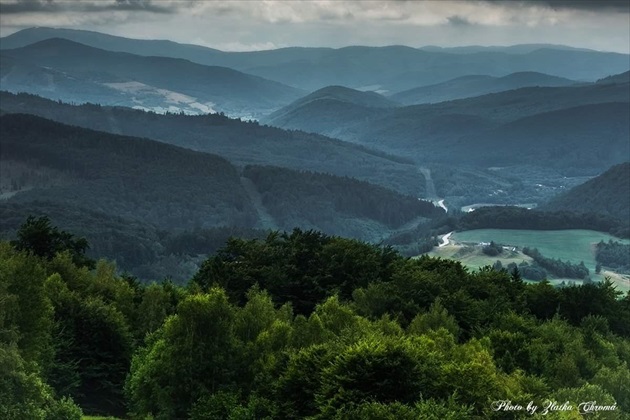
pixel 576 140
pixel 333 106
pixel 149 82
pixel 469 86
pixel 443 131
pixel 608 193
pixel 160 190
pixel 129 177
pixel 241 142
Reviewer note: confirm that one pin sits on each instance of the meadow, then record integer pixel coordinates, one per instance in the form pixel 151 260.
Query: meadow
pixel 568 245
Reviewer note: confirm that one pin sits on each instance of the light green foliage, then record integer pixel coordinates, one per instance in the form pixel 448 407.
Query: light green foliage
pixel 437 317
pixel 24 394
pixel 225 405
pixel 381 370
pixel 193 353
pixel 425 409
pixel 421 339
pixel 158 301
pixel 589 393
pixel 25 311
pixel 617 383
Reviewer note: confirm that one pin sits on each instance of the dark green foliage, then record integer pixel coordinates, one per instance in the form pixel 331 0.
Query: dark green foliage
pixel 384 337
pixel 529 271
pixel 520 218
pixel 492 249
pixel 381 370
pixel 134 178
pixel 320 199
pixel 302 267
pixel 93 345
pixel 241 142
pixel 613 255
pixel 558 267
pixel 36 235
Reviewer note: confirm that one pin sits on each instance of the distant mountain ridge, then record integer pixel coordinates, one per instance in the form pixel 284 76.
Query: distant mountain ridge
pixel 392 68
pixel 470 86
pixel 117 78
pixel 489 129
pixel 608 193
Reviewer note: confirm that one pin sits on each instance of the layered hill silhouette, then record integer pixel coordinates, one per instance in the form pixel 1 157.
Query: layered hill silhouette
pixel 333 105
pixel 160 191
pixel 489 129
pixel 134 178
pixel 385 69
pixel 157 83
pixel 608 194
pixel 470 86
pixel 240 142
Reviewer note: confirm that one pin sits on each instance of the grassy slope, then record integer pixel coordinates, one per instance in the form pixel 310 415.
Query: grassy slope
pixel 567 245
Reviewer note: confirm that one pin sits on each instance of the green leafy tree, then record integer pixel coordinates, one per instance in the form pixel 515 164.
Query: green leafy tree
pixel 37 235
pixel 194 353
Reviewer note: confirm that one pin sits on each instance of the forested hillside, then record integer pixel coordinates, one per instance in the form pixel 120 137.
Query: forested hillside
pixel 300 325
pixel 608 193
pixel 240 142
pixel 133 178
pixel 334 205
pixel 538 123
pixel 476 85
pixel 136 199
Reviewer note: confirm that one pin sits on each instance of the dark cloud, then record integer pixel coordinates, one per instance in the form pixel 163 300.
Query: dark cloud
pixel 56 6
pixel 142 5
pixel 28 6
pixel 621 6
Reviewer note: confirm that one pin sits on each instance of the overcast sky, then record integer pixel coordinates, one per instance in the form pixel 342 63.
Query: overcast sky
pixel 253 25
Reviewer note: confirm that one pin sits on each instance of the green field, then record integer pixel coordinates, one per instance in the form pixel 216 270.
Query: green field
pixel 567 245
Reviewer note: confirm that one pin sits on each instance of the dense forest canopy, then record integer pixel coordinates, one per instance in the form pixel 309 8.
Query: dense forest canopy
pixel 300 325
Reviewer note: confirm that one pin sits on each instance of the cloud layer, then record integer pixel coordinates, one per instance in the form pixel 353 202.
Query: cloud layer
pixel 601 24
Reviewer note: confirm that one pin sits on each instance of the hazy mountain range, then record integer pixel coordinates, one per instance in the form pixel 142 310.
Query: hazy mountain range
pixel 386 69
pixel 340 140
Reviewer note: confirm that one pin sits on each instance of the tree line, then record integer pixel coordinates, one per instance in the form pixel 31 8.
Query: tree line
pixel 557 267
pixel 613 255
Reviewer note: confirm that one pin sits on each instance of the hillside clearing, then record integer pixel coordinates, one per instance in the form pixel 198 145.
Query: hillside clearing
pixel 568 245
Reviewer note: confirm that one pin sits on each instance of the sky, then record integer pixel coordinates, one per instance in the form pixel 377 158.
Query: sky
pixel 247 25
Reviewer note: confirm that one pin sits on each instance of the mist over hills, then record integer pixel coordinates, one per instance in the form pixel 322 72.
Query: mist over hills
pixel 385 69
pixel 115 78
pixel 485 126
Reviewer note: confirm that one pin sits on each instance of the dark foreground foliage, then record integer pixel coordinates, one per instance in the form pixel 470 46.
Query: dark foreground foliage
pixel 303 325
